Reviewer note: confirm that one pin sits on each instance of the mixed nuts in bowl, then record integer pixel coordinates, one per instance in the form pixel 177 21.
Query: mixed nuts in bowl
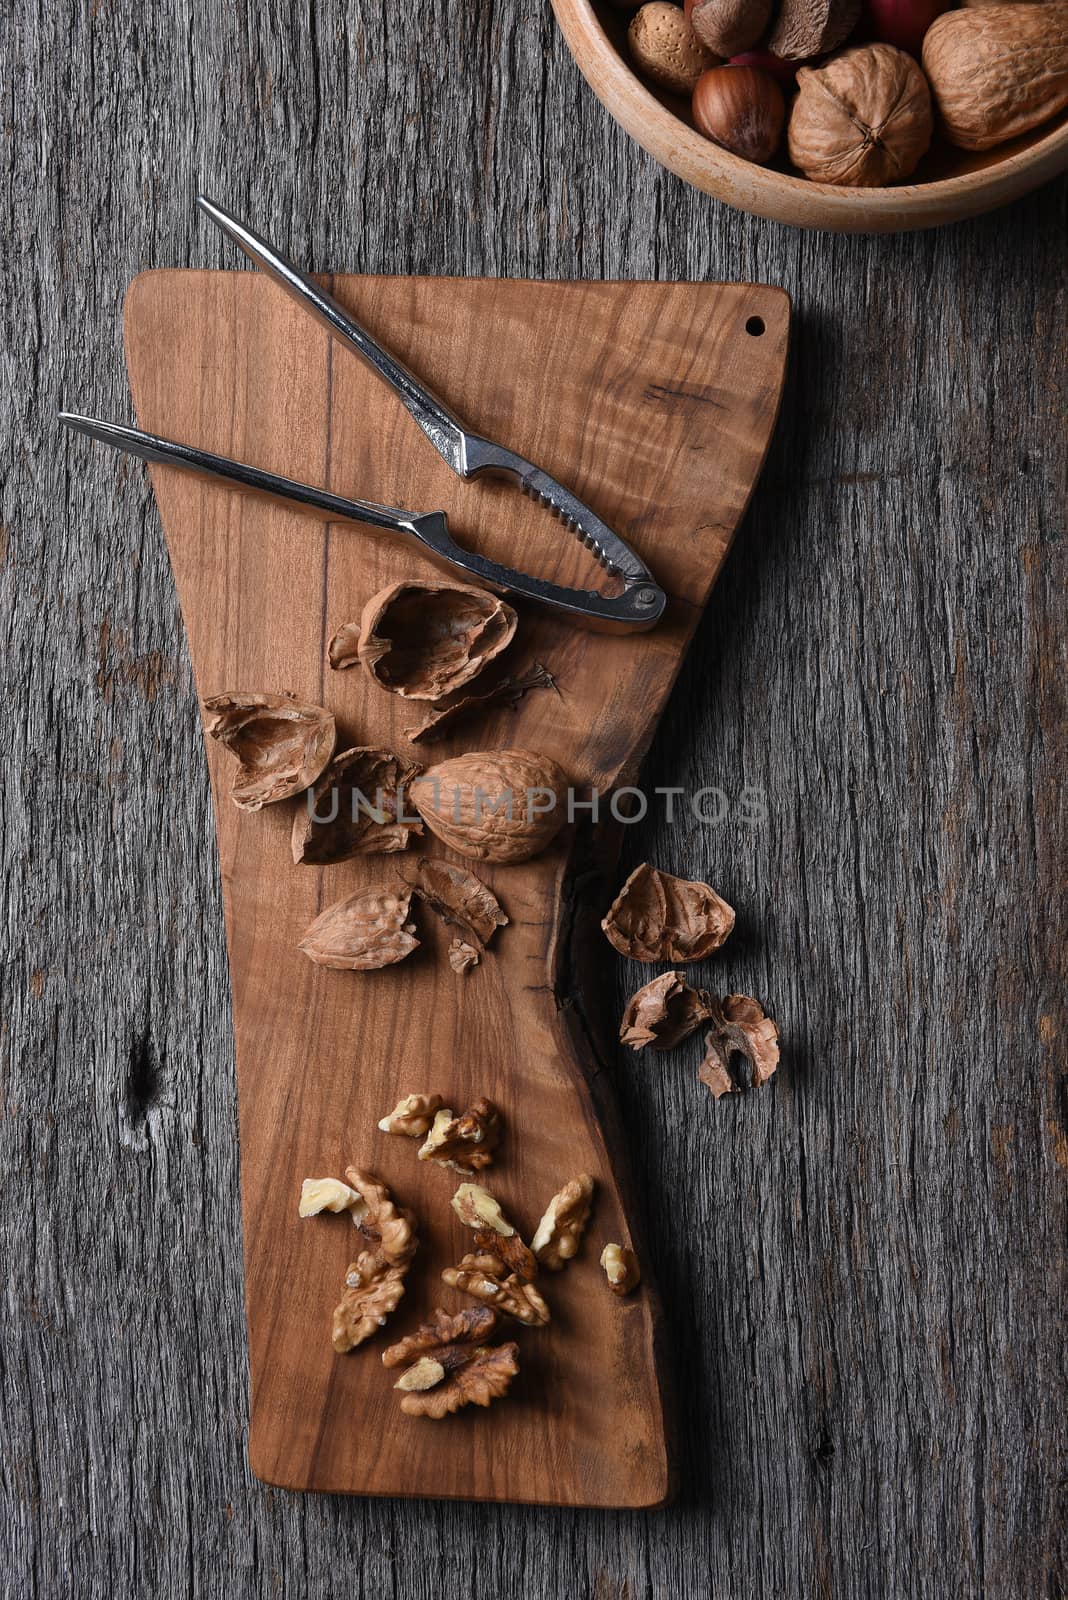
pixel 857 115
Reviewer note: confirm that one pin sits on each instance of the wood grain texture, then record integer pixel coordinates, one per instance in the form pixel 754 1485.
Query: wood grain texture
pixel 863 1296
pixel 657 403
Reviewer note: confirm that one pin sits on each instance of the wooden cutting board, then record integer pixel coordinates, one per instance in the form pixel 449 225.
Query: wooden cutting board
pixel 656 402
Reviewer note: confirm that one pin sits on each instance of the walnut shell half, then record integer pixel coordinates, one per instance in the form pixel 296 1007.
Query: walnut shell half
pixel 366 930
pixel 353 809
pixel 423 640
pixel 658 917
pixel 863 118
pixel 663 1013
pixel 493 805
pixel 281 743
pixel 459 898
pixel 739 1027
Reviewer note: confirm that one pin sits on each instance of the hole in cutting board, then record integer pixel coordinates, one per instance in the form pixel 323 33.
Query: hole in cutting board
pixel 755 326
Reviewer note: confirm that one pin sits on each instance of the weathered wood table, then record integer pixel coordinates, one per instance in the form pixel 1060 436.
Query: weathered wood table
pixel 863 1262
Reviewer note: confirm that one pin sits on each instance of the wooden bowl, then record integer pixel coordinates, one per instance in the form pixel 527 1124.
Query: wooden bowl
pixel 955 183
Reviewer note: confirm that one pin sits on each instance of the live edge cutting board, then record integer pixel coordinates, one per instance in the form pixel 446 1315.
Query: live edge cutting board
pixel 656 402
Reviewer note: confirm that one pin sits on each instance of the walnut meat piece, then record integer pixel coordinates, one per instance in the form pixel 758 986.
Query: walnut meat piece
pixel 412 1116
pixel 451 1357
pixel 663 1013
pixel 658 917
pixel 477 1208
pixel 423 640
pixel 467 1143
pixel 739 1027
pixel 509 691
pixel 494 1234
pixel 476 1380
pixel 373 1289
pixel 374 1282
pixel 862 118
pixel 620 1268
pixel 473 1325
pixel 561 1228
pixel 459 898
pixel 486 1277
pixel 329 1194
pixel 281 744
pixel 364 931
pixel 355 808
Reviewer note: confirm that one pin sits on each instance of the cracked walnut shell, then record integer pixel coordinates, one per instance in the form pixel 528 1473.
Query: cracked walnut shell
pixel 459 898
pixel 355 807
pixel 658 917
pixel 663 1013
pixel 281 744
pixel 367 930
pixel 423 640
pixel 467 1143
pixel 561 1228
pixel 487 1278
pixel 493 805
pixel 862 118
pixel 739 1027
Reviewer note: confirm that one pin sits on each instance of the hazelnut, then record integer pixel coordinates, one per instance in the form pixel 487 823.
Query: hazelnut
pixel 665 48
pixel 728 26
pixel 742 109
pixel 862 118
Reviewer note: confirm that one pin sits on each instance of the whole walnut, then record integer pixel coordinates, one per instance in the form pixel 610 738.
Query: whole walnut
pixel 999 71
pixel 862 118
pixel 493 805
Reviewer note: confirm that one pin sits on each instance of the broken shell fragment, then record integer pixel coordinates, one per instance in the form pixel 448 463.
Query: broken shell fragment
pixel 281 744
pixel 462 956
pixel 458 897
pixel 367 930
pixel 658 917
pixel 355 807
pixel 423 640
pixel 663 1013
pixel 620 1268
pixel 739 1027
pixel 509 691
pixel 343 650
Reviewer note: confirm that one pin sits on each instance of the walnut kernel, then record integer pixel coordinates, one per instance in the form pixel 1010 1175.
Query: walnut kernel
pixel 560 1230
pixel 620 1268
